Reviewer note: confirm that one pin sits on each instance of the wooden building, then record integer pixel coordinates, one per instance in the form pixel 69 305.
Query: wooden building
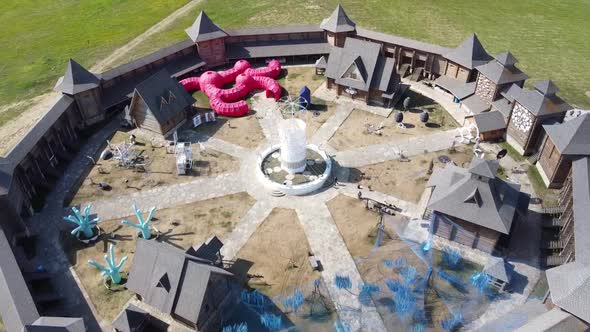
pixel 532 109
pixel 210 40
pixel 499 272
pixel 569 284
pixel 84 87
pixel 493 78
pixel 473 206
pixel 563 143
pixel 189 289
pixel 159 104
pixel 359 71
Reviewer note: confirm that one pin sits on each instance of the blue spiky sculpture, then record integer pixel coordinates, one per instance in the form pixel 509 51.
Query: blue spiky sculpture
pixel 143 224
pixel 113 270
pixel 85 225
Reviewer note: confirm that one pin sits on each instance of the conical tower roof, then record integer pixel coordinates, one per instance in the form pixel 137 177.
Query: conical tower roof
pixel 204 29
pixel 470 53
pixel 76 79
pixel 506 59
pixel 546 88
pixel 338 22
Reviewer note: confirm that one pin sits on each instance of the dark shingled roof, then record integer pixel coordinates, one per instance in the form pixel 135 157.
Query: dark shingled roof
pixel 321 63
pixel 504 106
pixel 76 79
pixel 571 137
pixel 488 121
pixel 273 30
pixel 375 71
pixel 540 104
pixel 130 319
pixel 470 53
pixel 502 70
pixel 459 89
pixel 204 29
pixel 35 133
pixel 511 92
pixel 496 268
pixel 17 308
pixel 581 195
pixel 277 49
pixel 159 86
pixel 496 203
pixel 401 41
pixel 338 21
pixel 475 104
pixel 57 324
pixel 170 280
pixel 547 87
pixel 5 176
pixel 569 284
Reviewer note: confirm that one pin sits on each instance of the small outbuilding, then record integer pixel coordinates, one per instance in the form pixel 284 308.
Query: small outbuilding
pixel 159 104
pixel 490 125
pixel 498 271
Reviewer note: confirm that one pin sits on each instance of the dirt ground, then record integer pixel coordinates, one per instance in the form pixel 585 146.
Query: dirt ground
pixel 182 226
pixel 243 131
pixel 161 171
pixel 354 134
pixel 407 180
pixel 292 79
pixel 279 251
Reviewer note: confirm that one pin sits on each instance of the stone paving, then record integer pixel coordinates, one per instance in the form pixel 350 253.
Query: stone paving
pixel 329 128
pixel 378 153
pixel 323 235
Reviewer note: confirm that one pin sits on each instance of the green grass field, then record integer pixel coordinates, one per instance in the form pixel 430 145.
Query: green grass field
pixel 39 36
pixel 548 37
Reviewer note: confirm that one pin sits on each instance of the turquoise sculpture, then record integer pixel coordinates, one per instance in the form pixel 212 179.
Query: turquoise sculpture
pixel 143 224
pixel 85 225
pixel 113 270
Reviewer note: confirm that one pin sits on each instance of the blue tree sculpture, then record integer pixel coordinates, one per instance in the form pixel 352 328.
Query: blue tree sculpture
pixel 342 282
pixel 451 258
pixel 366 290
pixel 480 281
pixel 452 322
pixel 408 273
pixel 295 301
pixel 271 321
pixel 143 224
pixel 340 326
pixel 113 270
pixel 241 327
pixel 85 225
pixel 391 264
pixel 254 299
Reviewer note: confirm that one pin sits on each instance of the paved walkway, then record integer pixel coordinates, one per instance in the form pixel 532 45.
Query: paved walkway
pixel 268 116
pixel 378 153
pixel 327 130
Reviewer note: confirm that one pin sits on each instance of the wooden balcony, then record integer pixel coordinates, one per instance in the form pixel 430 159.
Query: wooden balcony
pixel 553 223
pixel 554 260
pixel 553 244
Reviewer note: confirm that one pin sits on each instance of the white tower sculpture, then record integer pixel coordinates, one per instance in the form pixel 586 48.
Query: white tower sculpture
pixel 293 145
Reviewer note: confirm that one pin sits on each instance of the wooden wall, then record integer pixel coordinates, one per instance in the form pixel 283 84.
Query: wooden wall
pixel 212 51
pixel 465 233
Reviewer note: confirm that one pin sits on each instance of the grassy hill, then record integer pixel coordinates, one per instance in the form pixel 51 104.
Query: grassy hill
pixel 38 36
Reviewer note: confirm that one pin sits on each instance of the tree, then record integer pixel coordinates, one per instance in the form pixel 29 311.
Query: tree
pixel 85 225
pixel 113 270
pixel 407 103
pixel 143 224
pixel 424 117
pixel 399 117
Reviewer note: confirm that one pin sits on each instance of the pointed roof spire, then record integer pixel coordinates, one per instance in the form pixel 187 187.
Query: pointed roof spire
pixel 546 88
pixel 506 59
pixel 485 168
pixel 76 79
pixel 470 53
pixel 571 137
pixel 204 29
pixel 338 22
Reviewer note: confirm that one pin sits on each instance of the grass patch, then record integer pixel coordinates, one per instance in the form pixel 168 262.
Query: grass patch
pixel 38 37
pixel 500 26
pixel 512 152
pixel 549 196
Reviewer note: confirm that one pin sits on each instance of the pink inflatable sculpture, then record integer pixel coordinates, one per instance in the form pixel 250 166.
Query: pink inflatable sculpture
pixel 229 102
